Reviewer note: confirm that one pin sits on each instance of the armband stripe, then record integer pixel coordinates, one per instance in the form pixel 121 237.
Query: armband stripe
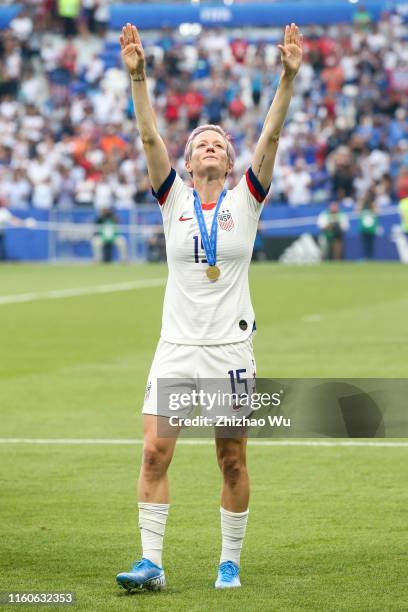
pixel 255 186
pixel 162 193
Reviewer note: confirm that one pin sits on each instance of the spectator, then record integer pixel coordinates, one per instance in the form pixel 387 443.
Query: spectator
pixel 333 75
pixel 111 142
pixel 18 189
pixel 64 186
pixel 378 163
pixel 10 66
pixel 343 174
pixel 402 184
pixel 362 17
pixel 101 16
pixel 239 47
pixel 403 210
pixel 85 192
pixel 320 182
pixel 69 11
pixel 398 127
pixel 194 103
pixel 43 194
pixel 87 18
pixel 68 57
pixel 333 224
pixel 32 124
pixel 39 170
pixel 384 193
pixel 215 105
pixel 103 194
pixel 298 183
pixel 368 224
pixel 124 194
pixel 257 80
pixel 236 107
pixel 107 236
pixel 22 26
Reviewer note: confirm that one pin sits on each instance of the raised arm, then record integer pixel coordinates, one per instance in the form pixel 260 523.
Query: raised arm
pixel 157 158
pixel 265 152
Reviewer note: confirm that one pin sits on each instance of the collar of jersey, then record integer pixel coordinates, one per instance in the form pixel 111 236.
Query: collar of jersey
pixel 208 206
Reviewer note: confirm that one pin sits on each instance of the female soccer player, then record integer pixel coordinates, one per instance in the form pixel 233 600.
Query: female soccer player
pixel 208 319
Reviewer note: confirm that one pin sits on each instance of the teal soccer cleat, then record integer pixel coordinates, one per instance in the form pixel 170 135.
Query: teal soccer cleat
pixel 143 575
pixel 228 576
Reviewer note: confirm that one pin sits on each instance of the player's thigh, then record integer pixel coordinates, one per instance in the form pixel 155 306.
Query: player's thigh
pixel 171 375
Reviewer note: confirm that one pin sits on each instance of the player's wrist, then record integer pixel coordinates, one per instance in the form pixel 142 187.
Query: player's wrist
pixel 286 79
pixel 138 76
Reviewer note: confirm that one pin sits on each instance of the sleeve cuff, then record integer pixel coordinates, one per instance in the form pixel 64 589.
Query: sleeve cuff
pixel 162 193
pixel 255 186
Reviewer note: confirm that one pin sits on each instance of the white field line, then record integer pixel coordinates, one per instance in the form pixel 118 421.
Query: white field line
pixel 204 442
pixel 78 291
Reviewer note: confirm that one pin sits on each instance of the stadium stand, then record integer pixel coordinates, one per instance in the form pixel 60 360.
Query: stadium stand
pixel 68 137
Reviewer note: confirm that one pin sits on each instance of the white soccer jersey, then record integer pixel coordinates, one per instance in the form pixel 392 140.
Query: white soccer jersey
pixel 196 310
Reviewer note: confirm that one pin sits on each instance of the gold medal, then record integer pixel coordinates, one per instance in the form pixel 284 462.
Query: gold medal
pixel 213 273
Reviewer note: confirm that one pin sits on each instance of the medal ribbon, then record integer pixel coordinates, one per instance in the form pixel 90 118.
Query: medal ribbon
pixel 209 242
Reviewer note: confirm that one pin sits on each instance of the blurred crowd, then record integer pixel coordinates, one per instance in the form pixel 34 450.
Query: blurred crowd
pixel 68 135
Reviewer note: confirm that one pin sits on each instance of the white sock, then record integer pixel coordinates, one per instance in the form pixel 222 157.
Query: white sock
pixel 233 526
pixel 152 523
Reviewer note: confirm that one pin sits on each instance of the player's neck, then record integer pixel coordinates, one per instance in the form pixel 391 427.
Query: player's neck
pixel 208 189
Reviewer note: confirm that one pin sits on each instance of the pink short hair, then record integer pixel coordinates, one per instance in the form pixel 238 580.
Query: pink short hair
pixel 203 128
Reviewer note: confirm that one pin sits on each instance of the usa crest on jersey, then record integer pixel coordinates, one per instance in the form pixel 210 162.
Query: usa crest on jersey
pixel 225 220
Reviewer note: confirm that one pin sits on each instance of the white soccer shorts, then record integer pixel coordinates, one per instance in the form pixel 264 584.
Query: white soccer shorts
pixel 225 369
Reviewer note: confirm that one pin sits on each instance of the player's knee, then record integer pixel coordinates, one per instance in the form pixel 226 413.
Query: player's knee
pixel 232 468
pixel 155 461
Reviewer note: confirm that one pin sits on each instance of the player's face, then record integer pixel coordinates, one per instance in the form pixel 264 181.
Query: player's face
pixel 209 155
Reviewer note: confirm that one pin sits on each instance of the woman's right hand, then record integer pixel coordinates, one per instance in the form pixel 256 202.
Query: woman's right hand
pixel 132 50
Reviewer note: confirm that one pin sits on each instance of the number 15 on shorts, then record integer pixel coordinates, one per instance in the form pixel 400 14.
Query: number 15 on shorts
pixel 237 380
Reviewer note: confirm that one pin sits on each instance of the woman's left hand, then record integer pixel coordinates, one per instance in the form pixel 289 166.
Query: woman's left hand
pixel 291 50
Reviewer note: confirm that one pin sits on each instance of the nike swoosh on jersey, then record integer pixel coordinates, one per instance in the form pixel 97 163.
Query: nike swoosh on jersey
pixel 185 218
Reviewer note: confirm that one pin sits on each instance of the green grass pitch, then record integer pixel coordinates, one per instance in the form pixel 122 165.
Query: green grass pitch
pixel 328 525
